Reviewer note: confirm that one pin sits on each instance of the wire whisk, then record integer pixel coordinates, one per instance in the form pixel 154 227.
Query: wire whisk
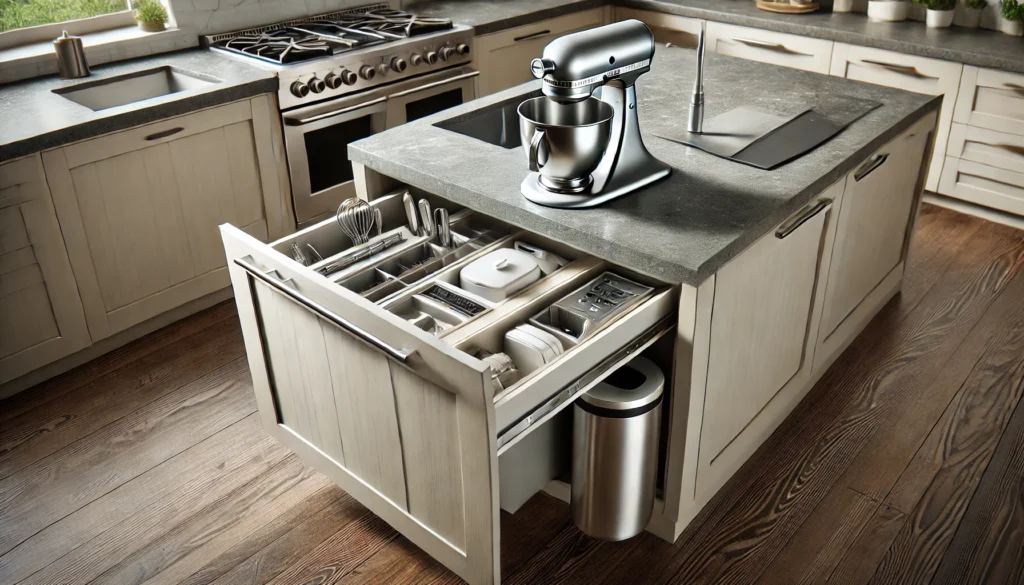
pixel 356 219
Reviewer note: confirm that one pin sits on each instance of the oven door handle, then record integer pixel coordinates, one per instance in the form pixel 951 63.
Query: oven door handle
pixel 311 119
pixel 437 83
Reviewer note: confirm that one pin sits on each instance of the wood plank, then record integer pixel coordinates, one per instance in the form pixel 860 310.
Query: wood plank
pixel 862 558
pixel 525 533
pixel 401 564
pixel 571 557
pixel 796 468
pixel 73 477
pixel 58 423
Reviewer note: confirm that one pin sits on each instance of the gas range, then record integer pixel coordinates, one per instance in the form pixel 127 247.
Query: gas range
pixel 340 53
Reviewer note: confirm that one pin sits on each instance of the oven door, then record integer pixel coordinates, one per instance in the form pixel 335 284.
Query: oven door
pixel 430 94
pixel 317 139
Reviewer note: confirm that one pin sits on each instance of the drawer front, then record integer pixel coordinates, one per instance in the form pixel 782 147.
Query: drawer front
pixel 998 188
pixel 991 99
pixel 770 47
pixel 667 28
pixel 911 73
pixel 987 147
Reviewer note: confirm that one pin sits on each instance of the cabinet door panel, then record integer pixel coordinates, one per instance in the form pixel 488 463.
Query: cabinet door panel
pixel 770 47
pixel 991 99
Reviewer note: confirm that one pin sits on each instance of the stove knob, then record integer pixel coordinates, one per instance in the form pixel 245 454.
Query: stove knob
pixel 431 57
pixel 367 72
pixel 416 59
pixel 316 85
pixel 446 52
pixel 349 77
pixel 299 89
pixel 382 69
pixel 462 48
pixel 398 64
pixel 333 81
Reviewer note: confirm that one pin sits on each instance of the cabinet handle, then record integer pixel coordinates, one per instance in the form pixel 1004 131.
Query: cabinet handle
pixel 164 133
pixel 1015 87
pixel 536 35
pixel 777 47
pixel 1011 148
pixel 870 166
pixel 400 355
pixel 790 225
pixel 902 69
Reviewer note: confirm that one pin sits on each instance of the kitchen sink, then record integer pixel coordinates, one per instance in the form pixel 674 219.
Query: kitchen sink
pixel 134 87
pixel 498 126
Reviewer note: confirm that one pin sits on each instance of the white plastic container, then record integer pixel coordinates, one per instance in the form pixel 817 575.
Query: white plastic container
pixel 500 274
pixel 939 18
pixel 1011 27
pixel 887 11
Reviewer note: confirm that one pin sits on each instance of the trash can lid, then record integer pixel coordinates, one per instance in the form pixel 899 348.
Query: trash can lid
pixel 634 385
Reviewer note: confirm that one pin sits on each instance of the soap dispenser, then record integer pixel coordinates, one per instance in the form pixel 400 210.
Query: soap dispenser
pixel 71 61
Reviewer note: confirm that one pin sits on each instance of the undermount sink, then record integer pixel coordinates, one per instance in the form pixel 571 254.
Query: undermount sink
pixel 497 126
pixel 133 87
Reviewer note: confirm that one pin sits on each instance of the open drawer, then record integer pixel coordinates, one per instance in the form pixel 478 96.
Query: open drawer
pixel 404 419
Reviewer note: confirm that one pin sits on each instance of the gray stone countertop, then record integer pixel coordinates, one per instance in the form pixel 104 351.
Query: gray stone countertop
pixel 33 118
pixel 685 227
pixel 983 48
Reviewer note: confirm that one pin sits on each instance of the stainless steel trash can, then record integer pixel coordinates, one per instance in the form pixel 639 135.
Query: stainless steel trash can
pixel 615 452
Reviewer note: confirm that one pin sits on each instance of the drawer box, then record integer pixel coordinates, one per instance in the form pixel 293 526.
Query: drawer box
pixel 991 99
pixel 987 147
pixel 998 188
pixel 770 47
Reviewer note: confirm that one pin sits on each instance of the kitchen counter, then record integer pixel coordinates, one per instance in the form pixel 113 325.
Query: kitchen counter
pixel 983 48
pixel 34 118
pixel 683 228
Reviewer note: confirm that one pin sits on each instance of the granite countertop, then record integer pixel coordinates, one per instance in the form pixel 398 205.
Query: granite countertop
pixel 983 48
pixel 683 228
pixel 34 118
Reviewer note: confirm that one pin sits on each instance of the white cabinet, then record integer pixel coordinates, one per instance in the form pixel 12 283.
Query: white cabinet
pixel 909 72
pixel 41 318
pixel 991 99
pixel 769 47
pixel 503 58
pixel 139 209
pixel 667 28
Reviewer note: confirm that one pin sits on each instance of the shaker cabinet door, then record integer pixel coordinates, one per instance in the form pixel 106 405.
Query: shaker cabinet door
pixel 41 318
pixel 140 211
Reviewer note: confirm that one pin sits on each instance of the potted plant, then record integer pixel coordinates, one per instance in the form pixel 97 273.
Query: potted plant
pixel 150 14
pixel 1012 21
pixel 887 10
pixel 940 12
pixel 971 15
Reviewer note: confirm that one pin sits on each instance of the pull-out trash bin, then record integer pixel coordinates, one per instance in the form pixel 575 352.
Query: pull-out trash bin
pixel 615 452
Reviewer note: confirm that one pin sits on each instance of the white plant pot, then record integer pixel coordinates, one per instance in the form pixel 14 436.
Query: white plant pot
pixel 939 18
pixel 883 11
pixel 969 17
pixel 1011 27
pixel 842 6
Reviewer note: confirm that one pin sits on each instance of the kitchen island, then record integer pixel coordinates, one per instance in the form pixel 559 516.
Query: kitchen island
pixel 758 281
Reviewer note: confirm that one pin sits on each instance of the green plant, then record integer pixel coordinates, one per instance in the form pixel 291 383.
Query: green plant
pixel 149 11
pixel 976 3
pixel 22 13
pixel 937 4
pixel 1012 10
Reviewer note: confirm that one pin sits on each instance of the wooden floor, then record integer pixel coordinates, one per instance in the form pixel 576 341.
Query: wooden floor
pixel 904 465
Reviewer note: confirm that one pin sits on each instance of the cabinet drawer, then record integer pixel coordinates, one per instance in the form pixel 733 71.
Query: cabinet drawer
pixel 667 28
pixel 998 188
pixel 908 72
pixel 770 47
pixel 987 147
pixel 991 99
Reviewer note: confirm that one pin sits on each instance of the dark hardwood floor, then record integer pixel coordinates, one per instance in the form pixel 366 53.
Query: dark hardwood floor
pixel 904 465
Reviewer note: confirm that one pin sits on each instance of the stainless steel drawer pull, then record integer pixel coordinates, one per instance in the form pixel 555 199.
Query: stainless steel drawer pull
pixel 300 122
pixel 778 47
pixel 790 225
pixel 438 83
pixel 870 166
pixel 164 133
pixel 536 35
pixel 902 69
pixel 401 355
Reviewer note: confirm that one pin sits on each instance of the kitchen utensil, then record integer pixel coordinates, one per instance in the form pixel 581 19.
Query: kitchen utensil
pixel 378 220
pixel 695 123
pixel 354 256
pixel 426 219
pixel 410 213
pixel 499 274
pixel 316 255
pixel 443 226
pixel 355 217
pixel 605 61
pixel 298 255
pixel 565 142
pixel 547 261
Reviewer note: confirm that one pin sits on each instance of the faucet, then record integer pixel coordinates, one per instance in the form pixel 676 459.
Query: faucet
pixel 696 122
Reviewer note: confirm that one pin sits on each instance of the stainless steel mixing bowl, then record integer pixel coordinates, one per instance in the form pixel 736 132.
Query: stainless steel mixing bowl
pixel 564 142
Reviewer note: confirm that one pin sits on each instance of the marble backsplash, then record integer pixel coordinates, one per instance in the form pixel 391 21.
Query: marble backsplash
pixel 213 16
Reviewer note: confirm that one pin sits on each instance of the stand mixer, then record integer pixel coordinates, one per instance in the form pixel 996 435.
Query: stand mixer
pixel 583 136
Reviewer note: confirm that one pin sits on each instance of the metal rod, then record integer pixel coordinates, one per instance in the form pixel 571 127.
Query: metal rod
pixel 696 121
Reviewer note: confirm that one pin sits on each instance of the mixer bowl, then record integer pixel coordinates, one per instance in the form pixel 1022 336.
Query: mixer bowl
pixel 564 142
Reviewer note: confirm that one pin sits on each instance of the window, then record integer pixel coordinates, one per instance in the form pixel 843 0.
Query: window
pixel 15 14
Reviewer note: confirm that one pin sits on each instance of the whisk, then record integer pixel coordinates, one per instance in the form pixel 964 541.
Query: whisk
pixel 356 219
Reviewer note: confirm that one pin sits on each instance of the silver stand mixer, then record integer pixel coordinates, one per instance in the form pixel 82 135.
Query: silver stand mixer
pixel 581 153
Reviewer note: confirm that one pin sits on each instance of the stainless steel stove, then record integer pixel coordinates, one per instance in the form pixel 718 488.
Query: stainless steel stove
pixel 347 75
